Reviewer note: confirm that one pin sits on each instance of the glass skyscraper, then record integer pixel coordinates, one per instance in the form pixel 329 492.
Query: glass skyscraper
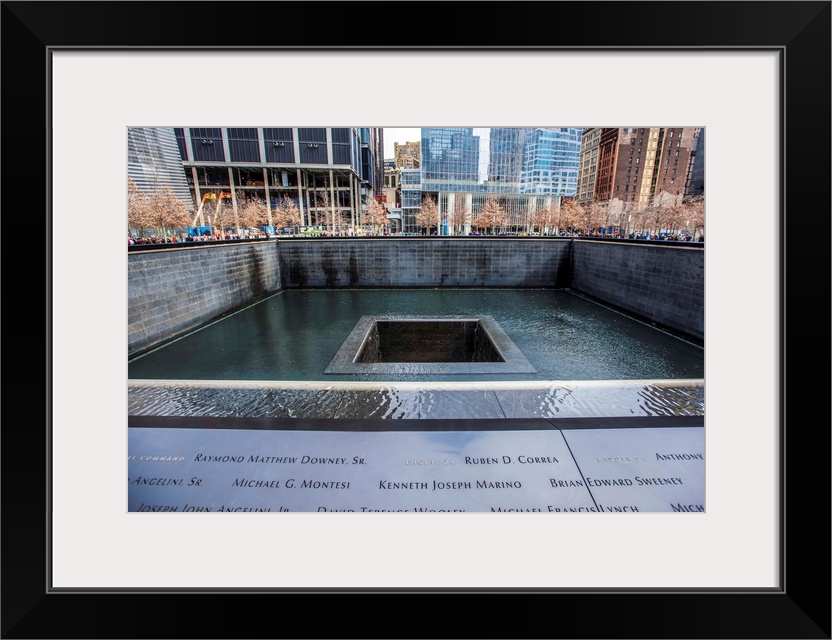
pixel 450 159
pixel 550 161
pixel 524 167
pixel 505 159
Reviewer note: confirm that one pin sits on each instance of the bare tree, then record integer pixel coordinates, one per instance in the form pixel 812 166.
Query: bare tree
pixel 286 213
pixel 428 214
pixel 653 218
pixel 541 218
pixel 167 212
pixel 665 212
pixel 513 220
pixel 342 218
pixel 376 215
pixel 251 212
pixel 525 221
pixel 610 214
pixel 675 211
pixel 595 215
pixel 323 201
pixel 638 224
pixel 570 214
pixel 220 212
pixel 675 218
pixel 620 213
pixel 585 219
pixel 137 217
pixel 159 209
pixel 694 211
pixel 491 214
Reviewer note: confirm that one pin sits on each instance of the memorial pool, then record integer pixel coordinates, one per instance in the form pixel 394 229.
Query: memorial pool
pixel 295 334
pixel 404 376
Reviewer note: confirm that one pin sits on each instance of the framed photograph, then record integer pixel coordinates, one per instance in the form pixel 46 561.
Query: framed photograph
pixel 755 75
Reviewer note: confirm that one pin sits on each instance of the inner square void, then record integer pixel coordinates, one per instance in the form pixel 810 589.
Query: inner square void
pixel 428 344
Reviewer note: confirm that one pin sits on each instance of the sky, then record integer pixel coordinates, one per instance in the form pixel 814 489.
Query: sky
pixel 400 135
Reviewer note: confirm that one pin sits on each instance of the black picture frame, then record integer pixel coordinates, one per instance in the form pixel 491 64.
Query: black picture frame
pixel 800 608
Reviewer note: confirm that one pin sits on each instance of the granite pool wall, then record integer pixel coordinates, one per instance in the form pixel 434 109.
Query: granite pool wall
pixel 173 290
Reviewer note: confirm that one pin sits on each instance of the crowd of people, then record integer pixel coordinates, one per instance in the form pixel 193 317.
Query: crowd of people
pixel 131 240
pixel 189 238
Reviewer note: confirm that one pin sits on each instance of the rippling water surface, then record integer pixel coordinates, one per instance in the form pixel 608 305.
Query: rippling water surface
pixel 624 399
pixel 293 336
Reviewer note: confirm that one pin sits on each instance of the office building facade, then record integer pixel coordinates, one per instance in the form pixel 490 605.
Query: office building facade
pixel 636 165
pixel 328 172
pixel 588 171
pixel 411 190
pixel 391 197
pixel 695 185
pixel 523 169
pixel 407 155
pixel 153 162
pixel 550 161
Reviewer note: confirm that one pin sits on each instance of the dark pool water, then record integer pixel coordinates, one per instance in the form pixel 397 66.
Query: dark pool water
pixel 293 335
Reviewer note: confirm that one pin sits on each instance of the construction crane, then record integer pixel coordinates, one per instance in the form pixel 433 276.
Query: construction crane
pixel 209 196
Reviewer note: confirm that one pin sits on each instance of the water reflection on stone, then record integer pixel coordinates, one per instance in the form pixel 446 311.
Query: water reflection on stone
pixel 625 398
